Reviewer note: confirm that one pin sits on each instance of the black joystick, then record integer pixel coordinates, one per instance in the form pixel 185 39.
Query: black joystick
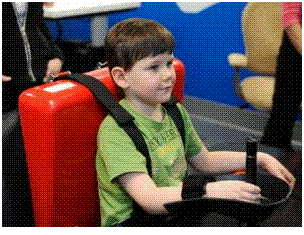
pixel 251 160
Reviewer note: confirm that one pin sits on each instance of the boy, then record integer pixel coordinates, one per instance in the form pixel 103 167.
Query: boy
pixel 140 54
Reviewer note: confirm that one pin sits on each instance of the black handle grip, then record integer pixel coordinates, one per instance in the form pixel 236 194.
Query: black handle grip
pixel 251 160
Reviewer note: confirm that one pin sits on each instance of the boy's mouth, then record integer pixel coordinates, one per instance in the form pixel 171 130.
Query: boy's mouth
pixel 166 87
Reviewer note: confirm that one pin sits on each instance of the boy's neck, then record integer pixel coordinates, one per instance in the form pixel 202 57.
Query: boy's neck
pixel 154 112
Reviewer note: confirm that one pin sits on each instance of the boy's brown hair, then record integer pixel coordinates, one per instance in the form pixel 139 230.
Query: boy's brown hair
pixel 134 39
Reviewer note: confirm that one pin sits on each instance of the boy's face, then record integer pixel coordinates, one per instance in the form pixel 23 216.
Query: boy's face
pixel 151 80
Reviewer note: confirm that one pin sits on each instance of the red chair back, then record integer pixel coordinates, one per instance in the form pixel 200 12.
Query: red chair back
pixel 60 121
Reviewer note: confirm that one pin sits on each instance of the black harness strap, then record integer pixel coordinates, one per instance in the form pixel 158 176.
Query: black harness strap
pixel 123 118
pixel 134 133
pixel 105 97
pixel 177 117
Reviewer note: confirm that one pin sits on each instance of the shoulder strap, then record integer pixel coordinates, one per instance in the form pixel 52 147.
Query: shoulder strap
pixel 177 117
pixel 140 143
pixel 123 118
pixel 105 97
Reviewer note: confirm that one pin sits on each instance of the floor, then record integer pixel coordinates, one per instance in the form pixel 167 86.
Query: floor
pixel 217 122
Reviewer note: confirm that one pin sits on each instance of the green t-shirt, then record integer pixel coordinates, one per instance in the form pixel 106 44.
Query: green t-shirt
pixel 117 155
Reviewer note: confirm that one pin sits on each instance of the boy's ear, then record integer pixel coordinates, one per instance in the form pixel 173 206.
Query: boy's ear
pixel 119 76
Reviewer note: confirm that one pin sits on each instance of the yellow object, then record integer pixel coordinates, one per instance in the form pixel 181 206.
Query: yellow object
pixel 263 32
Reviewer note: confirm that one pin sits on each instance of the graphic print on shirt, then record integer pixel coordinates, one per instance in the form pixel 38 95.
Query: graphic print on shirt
pixel 168 163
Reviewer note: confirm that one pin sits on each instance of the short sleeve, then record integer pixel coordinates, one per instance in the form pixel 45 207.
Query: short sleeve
pixel 118 151
pixel 292 13
pixel 193 142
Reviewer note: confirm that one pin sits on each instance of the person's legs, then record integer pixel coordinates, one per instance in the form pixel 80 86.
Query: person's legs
pixel 287 98
pixel 16 200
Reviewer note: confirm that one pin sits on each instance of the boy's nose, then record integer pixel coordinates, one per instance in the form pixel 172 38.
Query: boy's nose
pixel 168 75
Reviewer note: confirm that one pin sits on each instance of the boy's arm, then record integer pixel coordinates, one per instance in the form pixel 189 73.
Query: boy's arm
pixel 295 34
pixel 203 160
pixel 143 190
pixel 229 162
pixel 222 161
pixel 218 162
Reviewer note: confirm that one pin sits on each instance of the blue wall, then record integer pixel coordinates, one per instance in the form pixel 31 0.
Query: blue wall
pixel 204 40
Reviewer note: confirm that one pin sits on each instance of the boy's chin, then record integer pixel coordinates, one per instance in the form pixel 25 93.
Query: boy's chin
pixel 165 98
pixel 160 100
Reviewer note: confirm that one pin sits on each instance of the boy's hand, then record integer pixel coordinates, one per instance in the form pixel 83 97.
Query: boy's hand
pixel 232 189
pixel 275 168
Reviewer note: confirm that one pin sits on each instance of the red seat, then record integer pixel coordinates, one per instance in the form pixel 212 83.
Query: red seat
pixel 60 121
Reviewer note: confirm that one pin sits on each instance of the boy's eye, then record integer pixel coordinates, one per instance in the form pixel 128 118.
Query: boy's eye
pixel 154 67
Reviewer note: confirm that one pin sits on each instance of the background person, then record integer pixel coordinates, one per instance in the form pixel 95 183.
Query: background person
pixel 29 57
pixel 288 87
pixel 29 54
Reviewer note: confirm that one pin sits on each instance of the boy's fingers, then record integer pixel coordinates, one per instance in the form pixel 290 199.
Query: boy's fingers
pixel 250 188
pixel 289 177
pixel 250 197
